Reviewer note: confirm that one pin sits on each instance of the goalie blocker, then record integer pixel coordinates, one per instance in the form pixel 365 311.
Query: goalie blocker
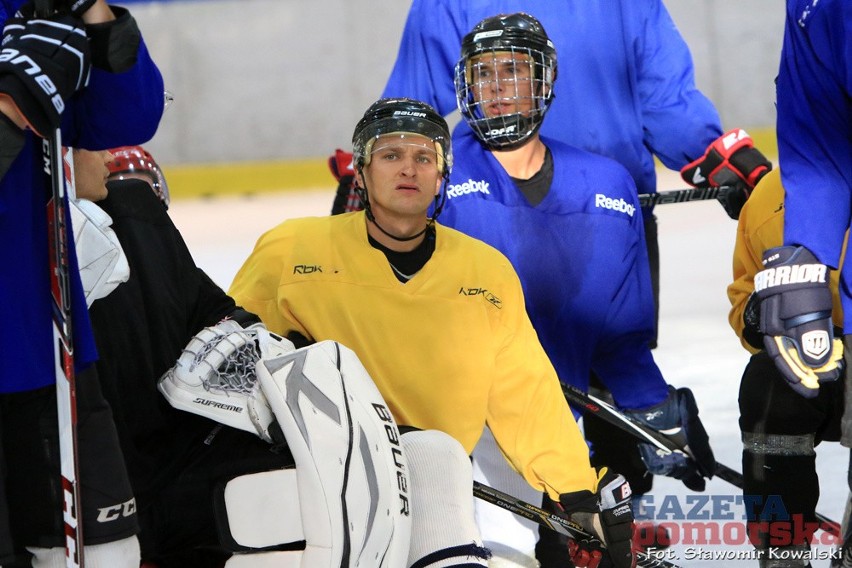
pixel 350 481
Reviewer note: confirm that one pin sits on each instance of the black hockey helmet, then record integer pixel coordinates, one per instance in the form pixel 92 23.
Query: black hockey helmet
pixel 401 115
pixel 515 34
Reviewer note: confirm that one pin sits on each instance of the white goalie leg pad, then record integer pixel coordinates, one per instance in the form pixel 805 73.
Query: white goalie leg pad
pixel 510 537
pixel 351 470
pixel 122 553
pixel 443 529
pixel 262 509
pixel 288 559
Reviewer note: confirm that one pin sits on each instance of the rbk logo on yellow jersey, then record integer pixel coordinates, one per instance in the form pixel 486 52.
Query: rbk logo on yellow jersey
pixel 489 297
pixel 306 268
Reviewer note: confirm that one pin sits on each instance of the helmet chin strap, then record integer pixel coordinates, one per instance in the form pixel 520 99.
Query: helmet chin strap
pixel 368 211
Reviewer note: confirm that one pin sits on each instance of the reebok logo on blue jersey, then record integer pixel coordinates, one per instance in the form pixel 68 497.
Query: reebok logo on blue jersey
pixel 470 186
pixel 605 202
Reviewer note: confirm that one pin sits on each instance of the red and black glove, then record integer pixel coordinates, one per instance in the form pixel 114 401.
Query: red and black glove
pixel 606 514
pixel 731 160
pixel 342 168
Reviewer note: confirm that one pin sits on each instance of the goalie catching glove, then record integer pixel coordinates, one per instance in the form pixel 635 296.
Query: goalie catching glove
pixel 731 160
pixel 215 376
pixel 677 418
pixel 606 514
pixel 795 316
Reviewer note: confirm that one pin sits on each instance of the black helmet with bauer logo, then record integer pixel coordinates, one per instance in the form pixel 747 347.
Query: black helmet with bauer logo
pixel 401 115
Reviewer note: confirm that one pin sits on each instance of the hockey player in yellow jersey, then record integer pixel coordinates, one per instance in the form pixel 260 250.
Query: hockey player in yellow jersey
pixel 780 427
pixel 438 320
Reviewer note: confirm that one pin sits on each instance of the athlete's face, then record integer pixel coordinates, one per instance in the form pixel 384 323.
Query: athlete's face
pixel 90 173
pixel 402 177
pixel 502 82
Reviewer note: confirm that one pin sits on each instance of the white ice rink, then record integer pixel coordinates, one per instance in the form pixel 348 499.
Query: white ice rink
pixel 696 346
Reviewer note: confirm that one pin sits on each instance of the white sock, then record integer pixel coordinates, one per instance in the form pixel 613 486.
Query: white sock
pixel 440 481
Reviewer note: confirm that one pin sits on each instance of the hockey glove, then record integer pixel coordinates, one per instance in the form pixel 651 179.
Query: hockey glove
pixel 346 199
pixel 795 316
pixel 44 61
pixel 731 160
pixel 606 514
pixel 215 376
pixel 677 418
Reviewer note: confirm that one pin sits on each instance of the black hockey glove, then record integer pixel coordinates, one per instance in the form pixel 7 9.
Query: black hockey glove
pixel 44 61
pixel 606 514
pixel 677 417
pixel 730 160
pixel 795 316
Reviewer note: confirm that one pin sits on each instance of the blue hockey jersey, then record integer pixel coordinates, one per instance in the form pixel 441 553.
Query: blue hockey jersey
pixel 814 97
pixel 581 258
pixel 626 86
pixel 115 109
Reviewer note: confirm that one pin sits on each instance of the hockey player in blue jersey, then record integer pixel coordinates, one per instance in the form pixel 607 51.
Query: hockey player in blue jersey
pixel 569 221
pixel 632 93
pixel 118 99
pixel 814 127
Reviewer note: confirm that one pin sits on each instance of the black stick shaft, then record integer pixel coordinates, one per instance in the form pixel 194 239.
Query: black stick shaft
pixel 589 403
pixel 683 195
pixel 555 522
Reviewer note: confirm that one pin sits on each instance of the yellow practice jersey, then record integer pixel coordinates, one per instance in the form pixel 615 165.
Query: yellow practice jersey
pixel 449 350
pixel 761 226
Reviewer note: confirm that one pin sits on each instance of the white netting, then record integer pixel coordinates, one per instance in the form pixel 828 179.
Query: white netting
pixel 225 361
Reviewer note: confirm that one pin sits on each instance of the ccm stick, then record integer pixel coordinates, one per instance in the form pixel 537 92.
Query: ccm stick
pixel 66 395
pixel 556 522
pixel 600 408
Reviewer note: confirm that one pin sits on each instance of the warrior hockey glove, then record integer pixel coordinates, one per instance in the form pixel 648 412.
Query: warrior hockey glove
pixel 677 418
pixel 607 515
pixel 731 160
pixel 795 316
pixel 44 61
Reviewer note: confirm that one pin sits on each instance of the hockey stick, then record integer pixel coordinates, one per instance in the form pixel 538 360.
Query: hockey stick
pixel 684 195
pixel 555 522
pixel 663 443
pixel 66 394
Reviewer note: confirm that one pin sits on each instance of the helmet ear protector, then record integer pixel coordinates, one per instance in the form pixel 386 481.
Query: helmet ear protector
pixel 519 39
